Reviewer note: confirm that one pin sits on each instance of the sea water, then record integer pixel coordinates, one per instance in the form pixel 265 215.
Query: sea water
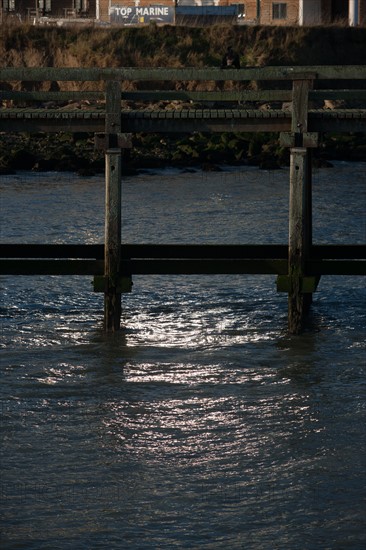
pixel 202 423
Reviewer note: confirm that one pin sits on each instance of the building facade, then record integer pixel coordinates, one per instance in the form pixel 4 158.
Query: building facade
pixel 250 12
pixel 29 9
pixel 140 12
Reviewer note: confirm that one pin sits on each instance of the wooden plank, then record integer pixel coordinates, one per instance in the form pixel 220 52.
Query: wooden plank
pixel 204 251
pixel 337 94
pixel 49 125
pixel 52 251
pixel 193 251
pixel 219 124
pixel 336 125
pixel 51 267
pixel 207 96
pixel 202 267
pixel 336 267
pixel 203 120
pixel 52 96
pixel 145 266
pixel 336 251
pixel 339 72
pixel 173 124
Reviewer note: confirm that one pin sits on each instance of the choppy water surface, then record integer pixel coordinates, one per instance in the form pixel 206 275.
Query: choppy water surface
pixel 201 424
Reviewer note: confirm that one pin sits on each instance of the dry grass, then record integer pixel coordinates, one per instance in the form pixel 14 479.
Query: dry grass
pixel 175 46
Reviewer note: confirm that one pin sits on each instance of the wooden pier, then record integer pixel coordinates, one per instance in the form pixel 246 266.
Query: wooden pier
pixel 298 264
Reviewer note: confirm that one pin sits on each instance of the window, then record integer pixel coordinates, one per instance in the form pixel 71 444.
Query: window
pixel 241 11
pixel 279 10
pixel 44 6
pixel 8 5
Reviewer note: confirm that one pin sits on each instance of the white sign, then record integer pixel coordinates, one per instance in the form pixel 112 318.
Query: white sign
pixel 131 15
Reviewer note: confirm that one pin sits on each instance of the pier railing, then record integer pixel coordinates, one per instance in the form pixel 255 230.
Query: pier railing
pixel 200 102
pixel 297 102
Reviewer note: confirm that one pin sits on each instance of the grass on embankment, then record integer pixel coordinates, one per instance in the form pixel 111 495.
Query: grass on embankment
pixel 170 46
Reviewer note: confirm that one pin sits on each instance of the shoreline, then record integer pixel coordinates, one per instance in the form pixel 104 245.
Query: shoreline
pixel 77 153
pixel 177 171
pixel 179 47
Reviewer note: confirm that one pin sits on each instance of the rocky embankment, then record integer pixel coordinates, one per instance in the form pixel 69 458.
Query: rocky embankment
pixel 169 46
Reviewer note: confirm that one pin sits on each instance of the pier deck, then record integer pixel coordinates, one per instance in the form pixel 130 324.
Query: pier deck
pixel 179 120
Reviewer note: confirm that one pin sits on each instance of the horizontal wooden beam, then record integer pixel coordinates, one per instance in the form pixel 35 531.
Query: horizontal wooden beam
pixel 336 267
pixel 180 251
pixel 181 266
pixel 180 121
pixel 321 72
pixel 337 94
pixel 203 266
pixel 52 267
pixel 150 95
pixel 181 95
pixel 206 120
pixel 177 126
pixel 338 252
pixel 144 267
pixel 208 96
pixel 204 251
pixel 80 251
pixel 182 127
pixel 62 96
pixel 90 125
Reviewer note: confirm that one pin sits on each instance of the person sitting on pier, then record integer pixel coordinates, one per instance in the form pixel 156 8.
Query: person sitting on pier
pixel 230 60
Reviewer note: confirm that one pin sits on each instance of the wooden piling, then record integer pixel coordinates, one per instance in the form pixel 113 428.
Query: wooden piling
pixel 297 238
pixel 112 247
pixel 300 208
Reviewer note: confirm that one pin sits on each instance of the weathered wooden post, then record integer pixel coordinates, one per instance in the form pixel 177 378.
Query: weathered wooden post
pixel 113 283
pixel 300 207
pixel 112 233
pixel 298 285
pixel 297 238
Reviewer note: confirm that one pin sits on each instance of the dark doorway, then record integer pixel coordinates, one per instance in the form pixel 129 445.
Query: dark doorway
pixel 339 10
